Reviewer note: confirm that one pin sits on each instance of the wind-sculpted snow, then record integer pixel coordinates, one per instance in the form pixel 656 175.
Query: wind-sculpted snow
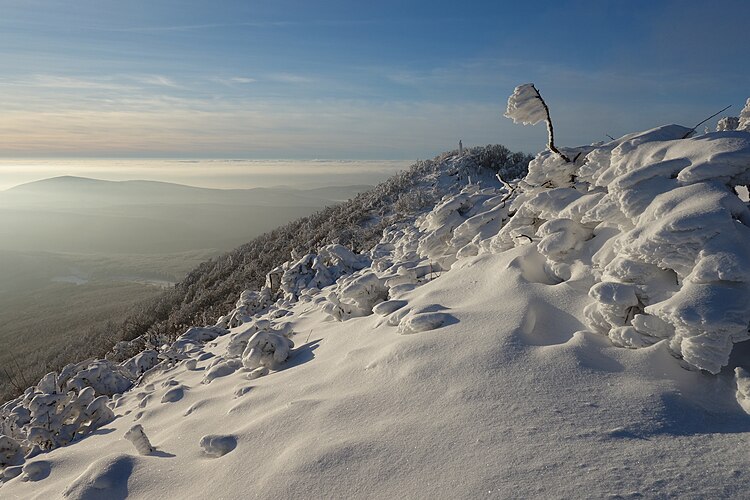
pixel 676 239
pixel 137 436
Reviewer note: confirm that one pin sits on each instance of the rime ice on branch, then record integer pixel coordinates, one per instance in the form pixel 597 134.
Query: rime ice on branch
pixel 526 106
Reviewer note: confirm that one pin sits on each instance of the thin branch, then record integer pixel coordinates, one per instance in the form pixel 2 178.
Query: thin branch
pixel 21 374
pixel 507 186
pixel 525 236
pixel 550 129
pixel 610 136
pixel 12 380
pixel 704 121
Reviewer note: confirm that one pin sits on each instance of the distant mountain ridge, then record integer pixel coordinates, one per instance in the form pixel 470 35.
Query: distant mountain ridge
pixel 75 190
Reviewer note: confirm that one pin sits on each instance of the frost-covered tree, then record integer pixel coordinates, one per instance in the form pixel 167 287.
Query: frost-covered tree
pixel 526 106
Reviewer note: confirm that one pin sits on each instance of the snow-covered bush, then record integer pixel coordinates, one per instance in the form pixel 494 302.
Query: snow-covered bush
pixel 62 407
pixel 319 270
pixel 141 363
pixel 728 123
pixel 103 376
pixel 266 349
pixel 355 296
pixel 250 303
pixel 673 237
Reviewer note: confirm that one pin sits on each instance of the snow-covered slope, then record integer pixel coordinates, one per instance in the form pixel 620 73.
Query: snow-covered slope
pixel 476 352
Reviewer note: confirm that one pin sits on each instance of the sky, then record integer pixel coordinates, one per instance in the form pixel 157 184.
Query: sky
pixel 302 79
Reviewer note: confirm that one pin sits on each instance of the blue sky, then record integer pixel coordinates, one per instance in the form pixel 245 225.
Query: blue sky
pixel 351 79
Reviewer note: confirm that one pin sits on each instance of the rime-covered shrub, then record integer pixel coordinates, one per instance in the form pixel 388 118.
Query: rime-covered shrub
pixel 266 349
pixel 728 123
pixel 673 238
pixel 141 363
pixel 355 296
pixel 103 376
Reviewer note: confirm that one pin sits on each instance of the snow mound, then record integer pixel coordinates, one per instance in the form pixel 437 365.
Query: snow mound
pixel 105 478
pixel 216 446
pixel 422 322
pixel 35 471
pixel 10 451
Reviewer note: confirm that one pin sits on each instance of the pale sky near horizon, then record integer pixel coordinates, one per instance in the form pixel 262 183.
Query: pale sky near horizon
pixel 349 79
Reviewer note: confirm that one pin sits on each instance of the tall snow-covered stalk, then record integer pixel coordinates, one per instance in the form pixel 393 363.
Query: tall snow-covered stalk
pixel 526 106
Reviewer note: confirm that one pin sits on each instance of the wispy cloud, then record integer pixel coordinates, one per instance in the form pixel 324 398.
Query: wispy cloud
pixel 242 79
pixel 156 80
pixel 289 78
pixel 190 27
pixel 64 82
pixel 233 81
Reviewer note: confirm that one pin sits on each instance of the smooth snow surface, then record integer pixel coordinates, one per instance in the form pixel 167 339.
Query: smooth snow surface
pixel 475 352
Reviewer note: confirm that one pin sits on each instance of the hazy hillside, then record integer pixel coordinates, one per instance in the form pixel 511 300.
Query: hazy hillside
pixel 90 253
